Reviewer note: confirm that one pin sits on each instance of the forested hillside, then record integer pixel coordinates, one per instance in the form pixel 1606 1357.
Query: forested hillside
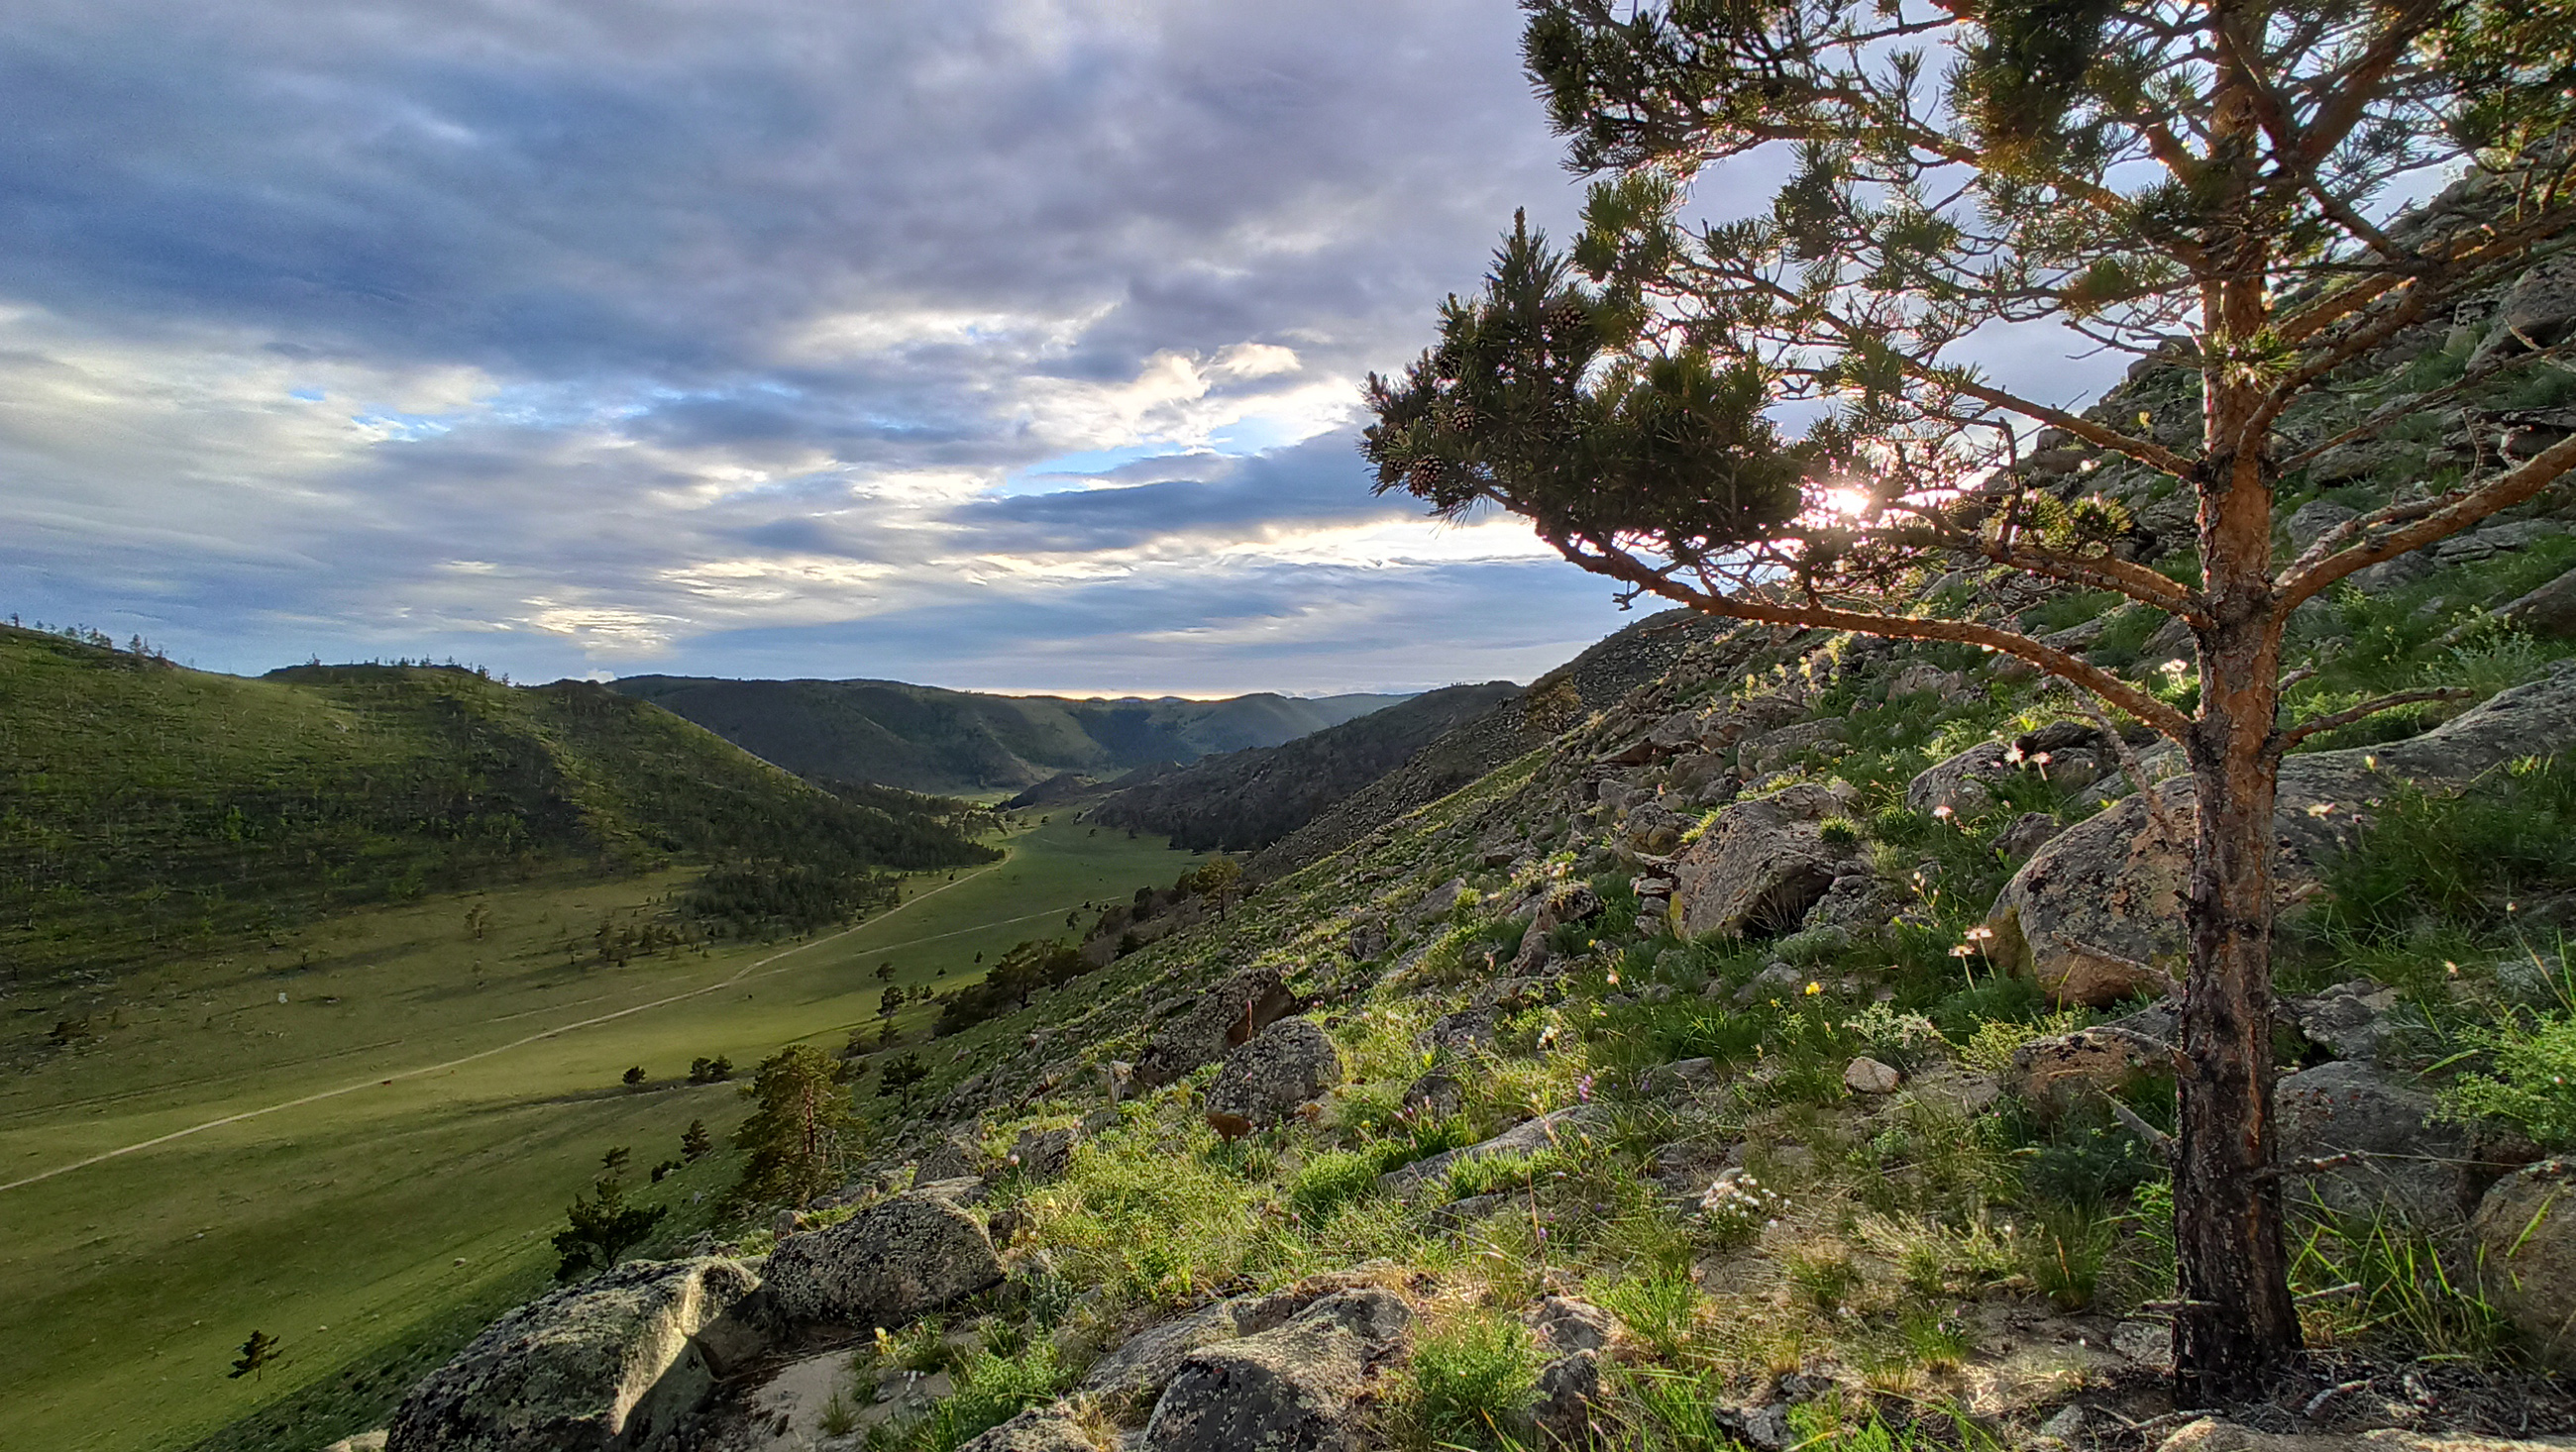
pixel 926 739
pixel 1252 798
pixel 148 809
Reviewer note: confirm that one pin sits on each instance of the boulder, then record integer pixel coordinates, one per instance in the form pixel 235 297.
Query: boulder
pixel 1524 1139
pixel 955 1157
pixel 2054 1072
pixel 883 1266
pixel 2409 1162
pixel 1039 1429
pixel 1768 752
pixel 1568 1389
pixel 2526 1226
pixel 1143 1364
pixel 617 1362
pixel 1220 1019
pixel 2310 522
pixel 1761 865
pixel 1566 1325
pixel 2096 912
pixel 1439 901
pixel 1866 1075
pixel 2549 610
pixel 2352 1019
pixel 1960 782
pixel 1293 1389
pixel 1045 1154
pixel 1264 1081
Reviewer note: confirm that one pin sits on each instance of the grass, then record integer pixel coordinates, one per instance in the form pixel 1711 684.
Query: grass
pixel 1469 1386
pixel 142 1274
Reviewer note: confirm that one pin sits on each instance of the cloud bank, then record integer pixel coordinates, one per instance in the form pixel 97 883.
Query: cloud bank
pixel 1011 346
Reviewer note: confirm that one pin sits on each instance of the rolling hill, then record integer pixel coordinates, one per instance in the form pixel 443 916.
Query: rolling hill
pixel 1252 798
pixel 147 809
pixel 926 739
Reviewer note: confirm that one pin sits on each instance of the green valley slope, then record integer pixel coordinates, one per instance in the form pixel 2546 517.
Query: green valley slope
pixel 147 810
pixel 926 739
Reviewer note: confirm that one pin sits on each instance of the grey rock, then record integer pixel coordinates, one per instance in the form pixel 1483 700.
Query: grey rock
pixel 1568 1389
pixel 2066 1424
pixel 2106 895
pixel 1866 1075
pixel 1776 980
pixel 1218 1020
pixel 2495 539
pixel 2029 832
pixel 1044 1154
pixel 955 1157
pixel 1435 1096
pixel 2526 1225
pixel 1293 1389
pixel 1771 750
pixel 2394 574
pixel 1040 1429
pixel 1525 1139
pixel 2310 522
pixel 2549 610
pixel 883 1266
pixel 1761 866
pixel 614 1363
pixel 2352 1019
pixel 1567 1325
pixel 1143 1364
pixel 1959 783
pixel 1467 1031
pixel 2411 1163
pixel 1459 1214
pixel 1291 1063
pixel 1680 1079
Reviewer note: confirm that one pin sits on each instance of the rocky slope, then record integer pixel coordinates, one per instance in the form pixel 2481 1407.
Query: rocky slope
pixel 1770 1054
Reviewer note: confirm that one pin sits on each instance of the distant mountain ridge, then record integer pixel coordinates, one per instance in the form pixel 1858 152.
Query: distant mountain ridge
pixel 1307 798
pixel 1254 797
pixel 927 739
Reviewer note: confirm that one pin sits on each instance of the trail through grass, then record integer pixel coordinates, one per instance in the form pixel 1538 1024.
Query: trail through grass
pixel 371 1168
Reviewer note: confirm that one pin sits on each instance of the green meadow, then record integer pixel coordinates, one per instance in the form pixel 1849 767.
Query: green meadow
pixel 359 1140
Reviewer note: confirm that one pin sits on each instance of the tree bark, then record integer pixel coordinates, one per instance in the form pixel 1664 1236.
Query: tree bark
pixel 2236 1323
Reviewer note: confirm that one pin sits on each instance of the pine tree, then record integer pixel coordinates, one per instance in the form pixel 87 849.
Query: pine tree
pixel 256 1354
pixel 804 1130
pixel 2192 183
pixel 695 1142
pixel 601 1226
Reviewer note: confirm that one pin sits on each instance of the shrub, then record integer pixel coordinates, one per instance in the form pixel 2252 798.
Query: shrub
pixel 1470 1386
pixel 2526 1081
pixel 1330 1180
pixel 990 1391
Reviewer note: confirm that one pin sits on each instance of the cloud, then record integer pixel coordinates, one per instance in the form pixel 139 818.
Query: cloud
pixel 1012 344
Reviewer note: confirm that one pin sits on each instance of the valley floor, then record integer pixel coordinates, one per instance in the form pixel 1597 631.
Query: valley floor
pixel 359 1142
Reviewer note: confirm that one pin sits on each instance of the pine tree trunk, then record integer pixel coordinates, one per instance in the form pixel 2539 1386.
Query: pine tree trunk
pixel 2236 1324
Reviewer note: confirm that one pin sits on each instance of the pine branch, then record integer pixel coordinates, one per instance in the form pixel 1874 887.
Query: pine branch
pixel 2370 708
pixel 2445 517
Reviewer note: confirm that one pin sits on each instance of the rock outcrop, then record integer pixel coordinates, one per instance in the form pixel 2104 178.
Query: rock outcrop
pixel 1291 1063
pixel 1219 1019
pixel 616 1364
pixel 884 1266
pixel 2096 915
pixel 1761 865
pixel 1292 1389
pixel 2526 1228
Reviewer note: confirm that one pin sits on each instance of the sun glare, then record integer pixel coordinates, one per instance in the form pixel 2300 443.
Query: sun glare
pixel 1846 502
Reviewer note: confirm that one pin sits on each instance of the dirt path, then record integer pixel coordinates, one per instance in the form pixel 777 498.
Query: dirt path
pixel 745 973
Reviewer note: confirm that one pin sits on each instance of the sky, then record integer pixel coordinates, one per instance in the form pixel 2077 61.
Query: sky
pixel 1005 344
